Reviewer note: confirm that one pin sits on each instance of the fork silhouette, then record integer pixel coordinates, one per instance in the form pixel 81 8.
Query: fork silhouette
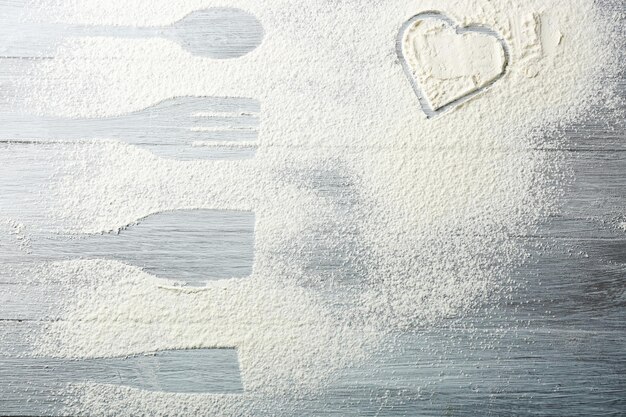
pixel 179 128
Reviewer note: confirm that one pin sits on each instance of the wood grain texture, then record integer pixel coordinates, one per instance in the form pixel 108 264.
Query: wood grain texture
pixel 555 347
pixel 217 32
pixel 190 246
pixel 35 386
pixel 202 244
pixel 181 128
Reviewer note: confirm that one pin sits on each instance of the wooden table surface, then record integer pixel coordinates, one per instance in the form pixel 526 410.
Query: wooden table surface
pixel 565 353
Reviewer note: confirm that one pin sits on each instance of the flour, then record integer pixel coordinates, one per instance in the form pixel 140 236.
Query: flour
pixel 224 144
pixel 16 230
pixel 451 65
pixel 426 217
pixel 139 324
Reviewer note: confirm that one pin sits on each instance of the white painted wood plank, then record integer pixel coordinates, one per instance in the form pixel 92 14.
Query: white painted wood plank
pixel 172 129
pixel 191 246
pixel 34 386
pixel 555 347
pixel 217 32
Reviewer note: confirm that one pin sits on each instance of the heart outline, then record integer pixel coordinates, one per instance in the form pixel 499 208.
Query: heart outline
pixel 459 30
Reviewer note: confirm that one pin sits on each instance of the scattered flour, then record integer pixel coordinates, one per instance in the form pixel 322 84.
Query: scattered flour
pixel 18 232
pixel 263 321
pixel 426 216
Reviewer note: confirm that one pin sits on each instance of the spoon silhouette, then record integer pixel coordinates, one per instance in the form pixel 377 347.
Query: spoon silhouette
pixel 217 32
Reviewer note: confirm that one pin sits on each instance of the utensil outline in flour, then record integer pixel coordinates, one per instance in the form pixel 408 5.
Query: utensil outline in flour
pixel 191 246
pixel 197 370
pixel 429 110
pixel 181 128
pixel 214 32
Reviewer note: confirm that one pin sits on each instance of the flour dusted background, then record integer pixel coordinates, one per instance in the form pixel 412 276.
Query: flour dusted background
pixel 425 222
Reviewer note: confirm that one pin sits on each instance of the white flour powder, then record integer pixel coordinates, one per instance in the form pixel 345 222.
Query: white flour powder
pixel 450 64
pixel 434 202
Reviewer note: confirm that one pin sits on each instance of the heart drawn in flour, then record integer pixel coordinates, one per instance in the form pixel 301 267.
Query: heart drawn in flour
pixel 448 64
